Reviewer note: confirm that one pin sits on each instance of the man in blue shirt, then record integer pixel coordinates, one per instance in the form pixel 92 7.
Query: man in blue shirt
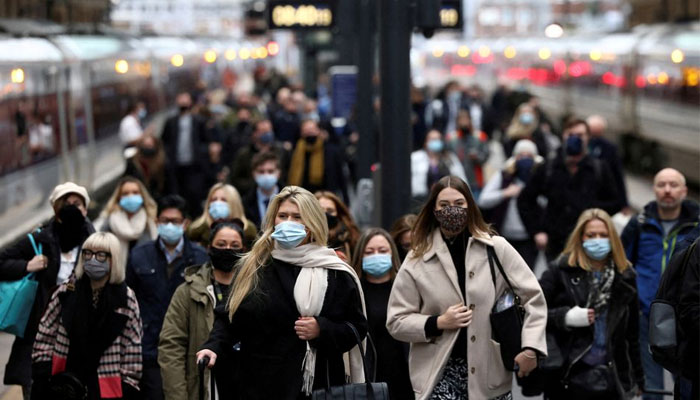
pixel 155 269
pixel 650 241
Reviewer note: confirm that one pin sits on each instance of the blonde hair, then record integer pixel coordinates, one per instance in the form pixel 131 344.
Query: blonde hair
pixel 235 205
pixel 148 203
pixel 251 265
pixel 574 246
pixel 516 129
pixel 105 241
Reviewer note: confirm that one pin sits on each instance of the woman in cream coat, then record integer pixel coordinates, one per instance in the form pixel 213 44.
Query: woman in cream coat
pixel 443 295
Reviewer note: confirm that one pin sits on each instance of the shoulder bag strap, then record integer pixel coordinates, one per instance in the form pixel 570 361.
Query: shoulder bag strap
pixel 37 248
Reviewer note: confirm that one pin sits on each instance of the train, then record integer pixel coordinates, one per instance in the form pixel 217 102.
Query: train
pixel 645 82
pixel 64 93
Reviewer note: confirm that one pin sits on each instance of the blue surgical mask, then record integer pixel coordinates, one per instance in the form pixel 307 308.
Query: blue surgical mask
pixel 219 210
pixel 435 145
pixel 289 234
pixel 142 113
pixel 526 118
pixel 131 203
pixel 266 181
pixel 170 233
pixel 267 137
pixel 377 264
pixel 574 145
pixel 597 249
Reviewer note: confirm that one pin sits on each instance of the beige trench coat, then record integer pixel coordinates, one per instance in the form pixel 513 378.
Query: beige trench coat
pixel 427 286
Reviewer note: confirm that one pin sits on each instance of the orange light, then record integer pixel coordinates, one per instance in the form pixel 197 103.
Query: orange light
pixel 651 78
pixel 273 48
pixel 230 54
pixel 244 54
pixel 463 51
pixel 662 78
pixel 484 51
pixel 437 53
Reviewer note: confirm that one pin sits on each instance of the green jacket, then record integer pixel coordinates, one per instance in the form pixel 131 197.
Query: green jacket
pixel 187 324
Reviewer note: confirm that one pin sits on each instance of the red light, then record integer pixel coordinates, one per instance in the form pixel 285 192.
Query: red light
pixel 516 73
pixel 559 67
pixel 609 78
pixel 478 59
pixel 273 48
pixel 640 81
pixel 463 70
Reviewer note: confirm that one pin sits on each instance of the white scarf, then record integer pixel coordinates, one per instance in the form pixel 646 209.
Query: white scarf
pixel 309 292
pixel 127 229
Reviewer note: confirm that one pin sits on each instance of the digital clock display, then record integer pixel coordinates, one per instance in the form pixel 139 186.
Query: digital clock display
pixel 301 14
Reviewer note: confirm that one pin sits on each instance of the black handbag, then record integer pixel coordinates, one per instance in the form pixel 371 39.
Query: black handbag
pixel 593 381
pixel 506 324
pixel 354 391
pixel 65 386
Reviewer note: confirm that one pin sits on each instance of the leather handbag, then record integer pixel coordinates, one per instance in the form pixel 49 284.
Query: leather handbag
pixel 592 381
pixel 354 391
pixel 65 386
pixel 506 316
pixel 17 299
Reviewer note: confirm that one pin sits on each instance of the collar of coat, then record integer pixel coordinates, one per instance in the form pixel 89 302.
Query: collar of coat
pixel 438 242
pixel 198 278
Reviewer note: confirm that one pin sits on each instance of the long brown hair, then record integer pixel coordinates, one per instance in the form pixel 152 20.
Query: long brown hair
pixel 425 225
pixel 574 246
pixel 359 251
pixel 113 203
pixel 343 216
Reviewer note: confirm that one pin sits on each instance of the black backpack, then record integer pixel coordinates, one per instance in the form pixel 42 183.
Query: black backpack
pixel 666 338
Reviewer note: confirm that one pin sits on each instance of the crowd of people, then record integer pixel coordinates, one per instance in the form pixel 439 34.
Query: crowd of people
pixel 230 242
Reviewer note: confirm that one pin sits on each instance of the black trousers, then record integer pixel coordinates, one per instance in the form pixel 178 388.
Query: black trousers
pixel 151 384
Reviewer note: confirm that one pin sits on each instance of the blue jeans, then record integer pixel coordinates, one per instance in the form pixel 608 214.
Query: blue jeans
pixel 653 372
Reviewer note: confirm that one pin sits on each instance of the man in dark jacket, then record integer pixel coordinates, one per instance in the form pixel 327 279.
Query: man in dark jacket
pixel 263 140
pixel 186 149
pixel 688 385
pixel 650 240
pixel 571 183
pixel 154 271
pixel 603 149
pixel 60 241
pixel 266 172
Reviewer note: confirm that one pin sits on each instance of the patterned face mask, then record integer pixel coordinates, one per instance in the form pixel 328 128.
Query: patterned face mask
pixel 452 219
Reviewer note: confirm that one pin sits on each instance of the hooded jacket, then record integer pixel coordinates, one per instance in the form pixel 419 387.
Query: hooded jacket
pixel 186 327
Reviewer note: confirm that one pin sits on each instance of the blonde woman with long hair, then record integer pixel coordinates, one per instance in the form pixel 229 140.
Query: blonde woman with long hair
pixel 289 307
pixel 130 214
pixel 593 315
pixel 223 204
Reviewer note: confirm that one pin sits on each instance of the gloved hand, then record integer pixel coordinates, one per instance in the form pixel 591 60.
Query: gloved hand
pixel 577 317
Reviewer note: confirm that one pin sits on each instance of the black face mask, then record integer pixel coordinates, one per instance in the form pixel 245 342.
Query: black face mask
pixel 71 227
pixel 148 152
pixel 224 259
pixel 310 139
pixel 184 109
pixel 332 221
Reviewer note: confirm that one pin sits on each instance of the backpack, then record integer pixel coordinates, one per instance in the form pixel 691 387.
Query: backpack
pixel 666 338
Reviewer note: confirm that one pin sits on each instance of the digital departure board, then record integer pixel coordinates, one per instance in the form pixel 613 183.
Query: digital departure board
pixel 301 14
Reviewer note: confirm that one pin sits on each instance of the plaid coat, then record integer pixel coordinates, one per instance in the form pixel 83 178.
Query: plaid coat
pixel 121 361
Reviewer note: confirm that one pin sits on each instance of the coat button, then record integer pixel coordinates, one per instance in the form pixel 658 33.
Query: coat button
pixel 473 370
pixel 471 306
pixel 473 339
pixel 471 274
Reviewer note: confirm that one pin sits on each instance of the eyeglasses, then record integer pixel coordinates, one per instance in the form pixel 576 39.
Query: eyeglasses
pixel 100 256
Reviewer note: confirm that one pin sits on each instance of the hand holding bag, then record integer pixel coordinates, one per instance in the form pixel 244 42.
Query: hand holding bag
pixel 506 316
pixel 354 391
pixel 17 299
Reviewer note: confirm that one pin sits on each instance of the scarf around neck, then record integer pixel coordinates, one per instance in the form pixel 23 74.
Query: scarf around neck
pixel 298 166
pixel 601 288
pixel 309 292
pixel 127 229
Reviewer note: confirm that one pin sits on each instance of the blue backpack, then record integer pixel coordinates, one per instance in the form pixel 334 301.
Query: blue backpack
pixel 17 298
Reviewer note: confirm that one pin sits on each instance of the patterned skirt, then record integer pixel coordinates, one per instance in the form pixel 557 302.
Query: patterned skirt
pixel 454 383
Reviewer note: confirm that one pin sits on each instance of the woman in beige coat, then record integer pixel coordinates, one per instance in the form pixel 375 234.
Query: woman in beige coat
pixel 444 293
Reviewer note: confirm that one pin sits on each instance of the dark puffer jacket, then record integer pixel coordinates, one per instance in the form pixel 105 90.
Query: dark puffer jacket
pixel 565 287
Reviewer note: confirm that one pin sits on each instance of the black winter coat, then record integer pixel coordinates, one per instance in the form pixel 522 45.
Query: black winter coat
pixel 13 266
pixel 567 197
pixel 565 287
pixel 271 351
